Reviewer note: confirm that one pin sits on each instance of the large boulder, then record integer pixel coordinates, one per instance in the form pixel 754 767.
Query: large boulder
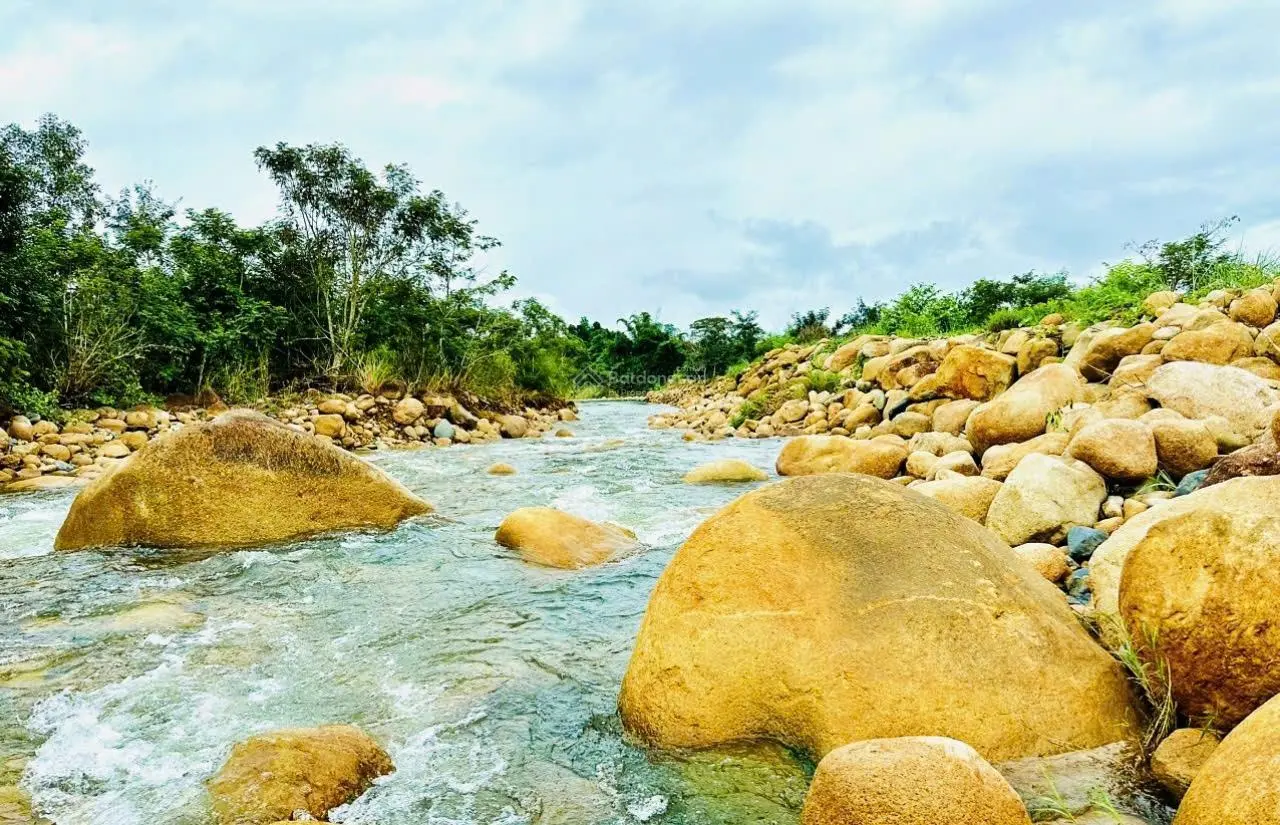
pixel 1022 412
pixel 1000 460
pixel 1202 390
pixel 513 426
pixel 239 480
pixel 812 454
pixel 1201 592
pixel 725 470
pixel 1183 445
pixel 1117 448
pixel 1240 782
pixel 271 776
pixel 975 373
pixel 916 780
pixel 1044 497
pixel 1242 496
pixel 553 538
pixel 827 609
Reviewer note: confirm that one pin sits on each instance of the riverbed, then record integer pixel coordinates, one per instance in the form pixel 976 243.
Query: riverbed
pixel 125 677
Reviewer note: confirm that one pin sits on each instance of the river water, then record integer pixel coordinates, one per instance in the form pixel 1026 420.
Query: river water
pixel 125 677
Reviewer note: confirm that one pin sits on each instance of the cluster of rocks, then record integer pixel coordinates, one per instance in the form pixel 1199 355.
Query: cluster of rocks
pixel 1053 437
pixel 44 453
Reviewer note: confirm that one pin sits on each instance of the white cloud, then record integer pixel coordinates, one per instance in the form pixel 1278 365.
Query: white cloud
pixel 628 154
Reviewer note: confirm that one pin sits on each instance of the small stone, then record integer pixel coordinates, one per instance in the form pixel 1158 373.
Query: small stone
pixel 1082 541
pixel 1078 590
pixel 1190 483
pixel 1049 561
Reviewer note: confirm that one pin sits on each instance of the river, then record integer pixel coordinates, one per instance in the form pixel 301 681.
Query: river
pixel 125 677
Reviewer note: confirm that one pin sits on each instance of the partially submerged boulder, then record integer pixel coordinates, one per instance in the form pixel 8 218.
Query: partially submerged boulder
pixel 917 780
pixel 239 480
pixel 810 454
pixel 271 776
pixel 725 470
pixel 554 538
pixel 827 609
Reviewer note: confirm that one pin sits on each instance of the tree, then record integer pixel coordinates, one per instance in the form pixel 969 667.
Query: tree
pixel 809 326
pixel 712 348
pixel 356 231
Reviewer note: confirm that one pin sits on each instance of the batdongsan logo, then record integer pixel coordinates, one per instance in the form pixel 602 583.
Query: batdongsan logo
pixel 625 383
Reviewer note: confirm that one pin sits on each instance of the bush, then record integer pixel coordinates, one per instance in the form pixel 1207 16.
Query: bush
pixel 750 409
pixel 1003 319
pixel 823 381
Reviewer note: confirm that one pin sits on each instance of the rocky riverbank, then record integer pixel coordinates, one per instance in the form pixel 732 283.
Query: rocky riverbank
pixel 42 453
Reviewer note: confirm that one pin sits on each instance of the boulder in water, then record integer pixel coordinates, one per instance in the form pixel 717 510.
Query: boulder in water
pixel 831 608
pixel 554 538
pixel 918 780
pixel 239 480
pixel 271 776
pixel 725 470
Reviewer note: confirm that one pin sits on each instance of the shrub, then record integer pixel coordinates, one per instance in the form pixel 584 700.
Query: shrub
pixel 749 409
pixel 1003 319
pixel 823 381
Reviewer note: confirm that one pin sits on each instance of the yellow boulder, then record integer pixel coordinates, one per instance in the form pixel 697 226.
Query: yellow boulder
pixel 725 470
pixel 810 454
pixel 272 775
pixel 1240 782
pixel 827 609
pixel 918 780
pixel 239 480
pixel 554 538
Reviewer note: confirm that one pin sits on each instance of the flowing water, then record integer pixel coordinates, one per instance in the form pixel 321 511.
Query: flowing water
pixel 125 677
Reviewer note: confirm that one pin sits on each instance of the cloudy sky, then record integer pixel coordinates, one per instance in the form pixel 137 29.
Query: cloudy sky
pixel 696 156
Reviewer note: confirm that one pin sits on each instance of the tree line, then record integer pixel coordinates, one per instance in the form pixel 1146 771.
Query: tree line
pixel 363 278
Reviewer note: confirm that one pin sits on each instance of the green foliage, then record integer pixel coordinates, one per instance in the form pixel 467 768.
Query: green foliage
pixel 1190 264
pixel 810 326
pixel 822 381
pixel 1005 318
pixel 749 409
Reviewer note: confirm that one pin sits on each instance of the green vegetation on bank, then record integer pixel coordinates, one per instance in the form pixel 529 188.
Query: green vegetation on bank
pixel 1194 266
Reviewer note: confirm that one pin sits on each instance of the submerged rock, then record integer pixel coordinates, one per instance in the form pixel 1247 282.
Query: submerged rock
pixel 271 776
pixel 827 609
pixel 919 780
pixel 725 470
pixel 553 538
pixel 501 469
pixel 239 480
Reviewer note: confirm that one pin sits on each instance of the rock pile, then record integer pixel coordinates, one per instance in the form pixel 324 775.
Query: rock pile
pixel 42 454
pixel 1032 432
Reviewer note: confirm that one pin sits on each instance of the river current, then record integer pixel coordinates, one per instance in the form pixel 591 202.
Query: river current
pixel 126 676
